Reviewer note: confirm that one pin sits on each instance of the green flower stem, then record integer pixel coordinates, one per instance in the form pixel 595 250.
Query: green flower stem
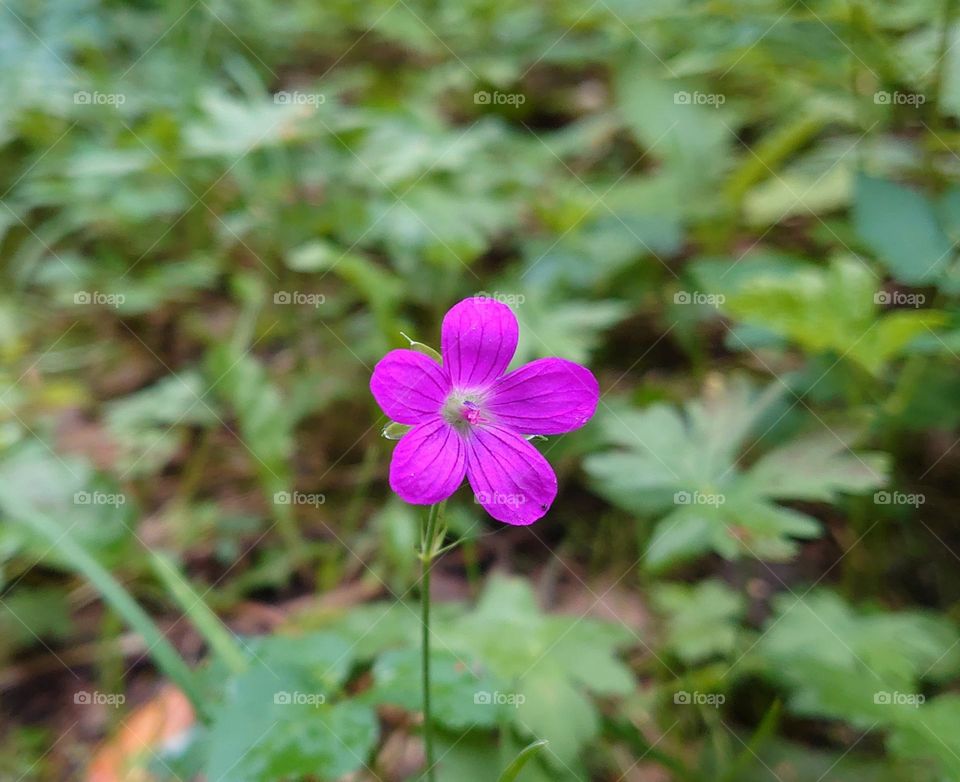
pixel 431 539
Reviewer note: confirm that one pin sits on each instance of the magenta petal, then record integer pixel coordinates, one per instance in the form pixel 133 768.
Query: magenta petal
pixel 547 396
pixel 428 463
pixel 478 339
pixel 409 386
pixel 509 477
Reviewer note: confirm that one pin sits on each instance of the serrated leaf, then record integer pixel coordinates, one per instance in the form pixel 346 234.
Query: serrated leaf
pixel 820 633
pixel 702 620
pixel 817 467
pixel 686 468
pixel 583 650
pixel 283 717
pixel 680 536
pixel 330 743
pixel 531 653
pixel 866 668
pixel 376 627
pixel 458 694
pixel 831 310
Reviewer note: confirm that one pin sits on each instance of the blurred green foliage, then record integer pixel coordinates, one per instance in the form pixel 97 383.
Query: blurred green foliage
pixel 215 217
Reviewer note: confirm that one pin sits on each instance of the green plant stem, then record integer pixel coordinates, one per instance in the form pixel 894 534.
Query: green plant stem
pixel 471 563
pixel 511 772
pixel 431 539
pixel 425 666
pixel 352 515
pixel 750 752
pixel 221 642
pixel 621 729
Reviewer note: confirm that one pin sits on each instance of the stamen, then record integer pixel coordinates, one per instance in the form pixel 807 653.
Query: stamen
pixel 462 410
pixel 471 412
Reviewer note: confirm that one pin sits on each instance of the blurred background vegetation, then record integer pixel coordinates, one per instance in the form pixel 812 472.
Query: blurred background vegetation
pixel 215 218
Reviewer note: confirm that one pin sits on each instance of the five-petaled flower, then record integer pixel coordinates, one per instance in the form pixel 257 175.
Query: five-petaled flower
pixel 470 416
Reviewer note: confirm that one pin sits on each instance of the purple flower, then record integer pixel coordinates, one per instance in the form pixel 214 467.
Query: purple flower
pixel 470 416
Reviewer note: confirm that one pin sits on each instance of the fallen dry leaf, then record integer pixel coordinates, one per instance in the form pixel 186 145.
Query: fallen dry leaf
pixel 162 723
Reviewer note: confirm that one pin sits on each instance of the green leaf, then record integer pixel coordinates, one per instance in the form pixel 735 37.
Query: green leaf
pixel 570 329
pixel 150 426
pixel 839 661
pixel 88 505
pixel 833 310
pixel 459 695
pixel 817 467
pixel 680 537
pixel 815 183
pixel 868 669
pixel 231 127
pixel 267 424
pixel 929 733
pixel 466 757
pixel 685 469
pixel 691 137
pixel 323 659
pixel 583 651
pixel 594 240
pixel 374 284
pixel 473 757
pixel 265 419
pixel 375 627
pixel 900 226
pixel 555 710
pixel 547 664
pixel 398 526
pixel 46 522
pixel 702 620
pixel 315 256
pixel 328 742
pixel 282 717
